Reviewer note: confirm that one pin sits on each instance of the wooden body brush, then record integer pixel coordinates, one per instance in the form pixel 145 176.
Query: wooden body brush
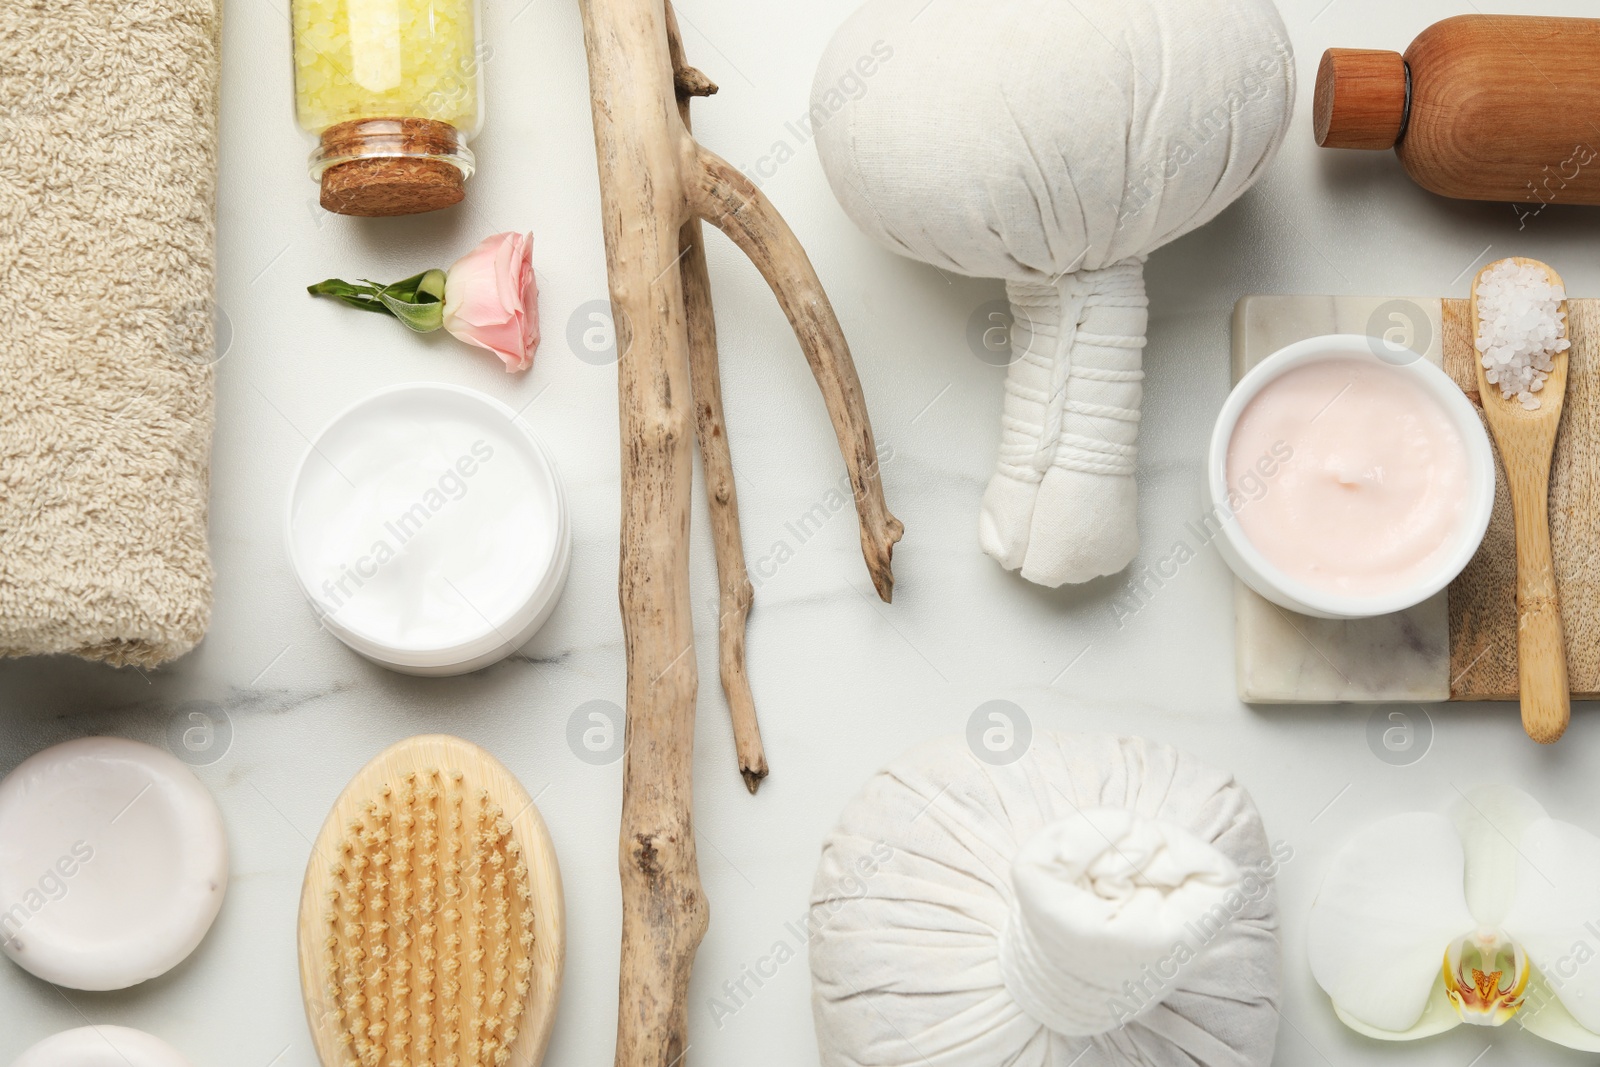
pixel 432 930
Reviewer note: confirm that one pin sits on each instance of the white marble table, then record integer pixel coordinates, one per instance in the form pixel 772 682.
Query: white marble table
pixel 843 682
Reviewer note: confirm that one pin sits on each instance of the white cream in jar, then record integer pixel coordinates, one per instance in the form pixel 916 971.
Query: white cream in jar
pixel 1348 476
pixel 429 529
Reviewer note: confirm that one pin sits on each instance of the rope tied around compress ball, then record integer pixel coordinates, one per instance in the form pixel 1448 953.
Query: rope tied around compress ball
pixel 1061 502
pixel 1051 328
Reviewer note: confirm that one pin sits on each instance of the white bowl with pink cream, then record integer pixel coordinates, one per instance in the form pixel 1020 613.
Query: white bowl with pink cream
pixel 1348 479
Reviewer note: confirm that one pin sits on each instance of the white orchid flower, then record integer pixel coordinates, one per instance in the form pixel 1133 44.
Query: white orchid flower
pixel 1488 915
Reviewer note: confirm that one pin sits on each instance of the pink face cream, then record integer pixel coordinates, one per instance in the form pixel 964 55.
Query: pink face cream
pixel 1349 476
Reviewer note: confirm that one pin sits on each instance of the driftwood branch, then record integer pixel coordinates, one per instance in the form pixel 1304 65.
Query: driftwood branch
pixel 685 79
pixel 732 203
pixel 716 461
pixel 655 180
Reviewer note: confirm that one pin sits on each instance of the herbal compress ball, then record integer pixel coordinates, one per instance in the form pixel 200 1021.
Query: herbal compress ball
pixel 1054 144
pixel 1100 900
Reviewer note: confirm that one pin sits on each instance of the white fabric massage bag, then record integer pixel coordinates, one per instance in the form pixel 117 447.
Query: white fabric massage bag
pixel 1054 144
pixel 1101 901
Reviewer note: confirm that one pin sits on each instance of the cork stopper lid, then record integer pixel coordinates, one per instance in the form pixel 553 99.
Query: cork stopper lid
pixel 1361 99
pixel 391 167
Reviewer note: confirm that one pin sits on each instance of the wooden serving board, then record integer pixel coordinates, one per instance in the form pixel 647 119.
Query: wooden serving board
pixel 1462 645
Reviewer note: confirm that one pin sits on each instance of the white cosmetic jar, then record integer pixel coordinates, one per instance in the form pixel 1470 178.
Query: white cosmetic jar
pixel 1259 573
pixel 428 527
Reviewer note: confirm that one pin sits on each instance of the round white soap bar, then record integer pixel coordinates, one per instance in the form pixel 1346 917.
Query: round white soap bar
pixel 113 863
pixel 101 1046
pixel 429 529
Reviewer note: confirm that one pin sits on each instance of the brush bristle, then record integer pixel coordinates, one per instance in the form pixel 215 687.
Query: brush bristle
pixel 429 946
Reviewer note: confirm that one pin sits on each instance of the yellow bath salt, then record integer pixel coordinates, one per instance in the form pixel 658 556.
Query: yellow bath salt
pixel 366 59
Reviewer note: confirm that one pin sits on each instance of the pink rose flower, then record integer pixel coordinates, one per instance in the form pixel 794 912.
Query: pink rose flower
pixel 491 299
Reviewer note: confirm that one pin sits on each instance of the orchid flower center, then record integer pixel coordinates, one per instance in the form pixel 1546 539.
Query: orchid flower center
pixel 1486 977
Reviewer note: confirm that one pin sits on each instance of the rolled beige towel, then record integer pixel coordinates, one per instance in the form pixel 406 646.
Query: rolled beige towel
pixel 108 114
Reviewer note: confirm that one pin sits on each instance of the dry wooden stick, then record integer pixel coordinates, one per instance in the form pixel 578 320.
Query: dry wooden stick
pixel 732 203
pixel 654 178
pixel 638 141
pixel 722 497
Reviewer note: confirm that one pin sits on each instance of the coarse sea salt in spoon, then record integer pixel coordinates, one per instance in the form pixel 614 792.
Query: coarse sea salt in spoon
pixel 1519 312
pixel 1520 321
pixel 113 863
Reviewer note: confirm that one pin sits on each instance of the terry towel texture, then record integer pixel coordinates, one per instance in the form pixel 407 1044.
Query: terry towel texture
pixel 108 117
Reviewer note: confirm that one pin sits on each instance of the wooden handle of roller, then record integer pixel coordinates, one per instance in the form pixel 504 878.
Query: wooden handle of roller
pixel 1360 99
pixel 1541 645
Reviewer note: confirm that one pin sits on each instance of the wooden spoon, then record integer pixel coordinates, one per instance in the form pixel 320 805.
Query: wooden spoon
pixel 1526 439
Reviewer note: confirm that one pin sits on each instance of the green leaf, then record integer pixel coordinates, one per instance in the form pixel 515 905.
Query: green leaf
pixel 432 285
pixel 418 317
pixel 404 289
pixel 417 301
pixel 364 297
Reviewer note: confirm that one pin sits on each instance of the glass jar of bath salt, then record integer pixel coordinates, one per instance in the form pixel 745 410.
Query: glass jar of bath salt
pixel 391 90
